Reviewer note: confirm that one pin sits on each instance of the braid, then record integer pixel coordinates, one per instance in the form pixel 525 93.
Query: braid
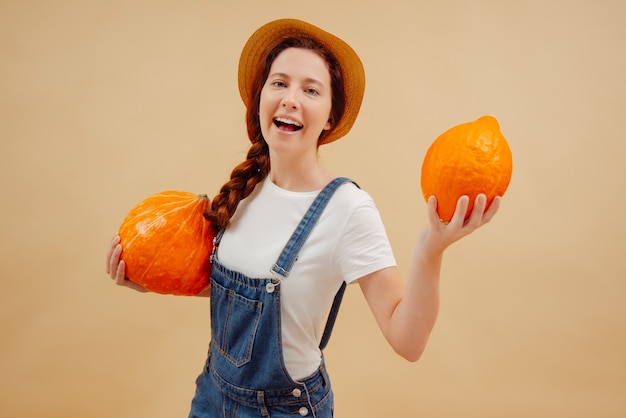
pixel 243 180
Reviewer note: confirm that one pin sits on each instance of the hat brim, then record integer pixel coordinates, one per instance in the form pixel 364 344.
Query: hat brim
pixel 264 39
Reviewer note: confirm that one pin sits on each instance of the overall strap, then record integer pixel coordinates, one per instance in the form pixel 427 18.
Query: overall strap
pixel 332 316
pixel 290 252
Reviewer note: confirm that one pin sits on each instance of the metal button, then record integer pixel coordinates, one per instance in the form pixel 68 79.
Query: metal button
pixel 296 392
pixel 303 411
pixel 270 287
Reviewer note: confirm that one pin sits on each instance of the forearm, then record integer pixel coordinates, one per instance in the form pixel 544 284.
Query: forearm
pixel 416 313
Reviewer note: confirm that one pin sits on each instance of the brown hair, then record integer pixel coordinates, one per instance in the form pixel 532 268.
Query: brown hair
pixel 246 175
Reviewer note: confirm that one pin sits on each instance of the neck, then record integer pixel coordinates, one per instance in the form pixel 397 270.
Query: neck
pixel 298 175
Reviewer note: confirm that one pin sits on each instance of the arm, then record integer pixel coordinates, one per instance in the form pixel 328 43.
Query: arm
pixel 406 315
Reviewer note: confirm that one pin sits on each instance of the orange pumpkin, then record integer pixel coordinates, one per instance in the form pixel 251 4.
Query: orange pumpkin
pixel 468 159
pixel 166 243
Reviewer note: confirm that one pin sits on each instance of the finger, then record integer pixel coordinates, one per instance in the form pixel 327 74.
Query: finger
pixel 114 241
pixel 461 209
pixel 492 210
pixel 120 273
pixel 476 217
pixel 115 260
pixel 120 278
pixel 433 216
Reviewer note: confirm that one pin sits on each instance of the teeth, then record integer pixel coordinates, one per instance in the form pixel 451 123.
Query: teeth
pixel 289 122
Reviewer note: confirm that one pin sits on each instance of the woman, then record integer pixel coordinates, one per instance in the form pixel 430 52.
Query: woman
pixel 291 235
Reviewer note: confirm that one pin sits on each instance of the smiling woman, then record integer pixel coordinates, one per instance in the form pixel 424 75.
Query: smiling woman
pixel 283 212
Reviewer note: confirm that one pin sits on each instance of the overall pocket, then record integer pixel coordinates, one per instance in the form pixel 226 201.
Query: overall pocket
pixel 234 323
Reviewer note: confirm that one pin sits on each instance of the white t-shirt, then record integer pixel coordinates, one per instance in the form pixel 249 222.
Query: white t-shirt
pixel 348 242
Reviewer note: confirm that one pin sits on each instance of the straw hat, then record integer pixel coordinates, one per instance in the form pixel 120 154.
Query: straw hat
pixel 264 39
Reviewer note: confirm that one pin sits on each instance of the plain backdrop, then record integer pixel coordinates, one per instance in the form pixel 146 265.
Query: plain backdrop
pixel 103 103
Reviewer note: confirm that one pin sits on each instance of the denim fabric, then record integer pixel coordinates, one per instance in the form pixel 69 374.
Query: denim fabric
pixel 245 375
pixel 215 397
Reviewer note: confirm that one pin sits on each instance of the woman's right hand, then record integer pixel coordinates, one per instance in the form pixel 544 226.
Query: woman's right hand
pixel 116 268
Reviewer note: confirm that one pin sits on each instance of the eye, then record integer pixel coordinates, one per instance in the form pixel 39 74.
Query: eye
pixel 278 83
pixel 312 91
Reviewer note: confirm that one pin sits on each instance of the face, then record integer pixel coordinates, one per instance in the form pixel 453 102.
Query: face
pixel 295 102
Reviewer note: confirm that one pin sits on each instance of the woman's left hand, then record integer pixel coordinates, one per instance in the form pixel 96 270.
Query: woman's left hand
pixel 439 235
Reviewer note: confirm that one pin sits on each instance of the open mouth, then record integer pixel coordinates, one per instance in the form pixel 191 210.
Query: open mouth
pixel 287 124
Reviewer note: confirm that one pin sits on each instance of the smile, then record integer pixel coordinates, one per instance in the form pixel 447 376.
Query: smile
pixel 287 124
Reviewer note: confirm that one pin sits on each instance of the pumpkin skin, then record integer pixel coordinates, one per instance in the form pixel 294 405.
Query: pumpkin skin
pixel 468 159
pixel 166 243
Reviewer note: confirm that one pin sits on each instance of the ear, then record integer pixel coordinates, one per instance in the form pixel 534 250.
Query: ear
pixel 328 125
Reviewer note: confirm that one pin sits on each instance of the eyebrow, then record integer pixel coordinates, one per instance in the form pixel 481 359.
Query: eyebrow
pixel 307 80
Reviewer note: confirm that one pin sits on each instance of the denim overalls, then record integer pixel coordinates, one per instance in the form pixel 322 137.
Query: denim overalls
pixel 245 375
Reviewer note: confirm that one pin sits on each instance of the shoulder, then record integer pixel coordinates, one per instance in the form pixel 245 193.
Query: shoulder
pixel 362 246
pixel 351 206
pixel 351 193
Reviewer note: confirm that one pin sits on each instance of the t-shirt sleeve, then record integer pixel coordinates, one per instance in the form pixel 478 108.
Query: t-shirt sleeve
pixel 364 246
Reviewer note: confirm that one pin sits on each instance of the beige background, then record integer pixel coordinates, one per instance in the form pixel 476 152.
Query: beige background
pixel 105 102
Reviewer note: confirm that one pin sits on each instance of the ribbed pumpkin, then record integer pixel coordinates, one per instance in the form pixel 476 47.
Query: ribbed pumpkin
pixel 166 243
pixel 468 159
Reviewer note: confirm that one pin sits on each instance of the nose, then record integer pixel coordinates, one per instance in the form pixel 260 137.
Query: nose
pixel 289 100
